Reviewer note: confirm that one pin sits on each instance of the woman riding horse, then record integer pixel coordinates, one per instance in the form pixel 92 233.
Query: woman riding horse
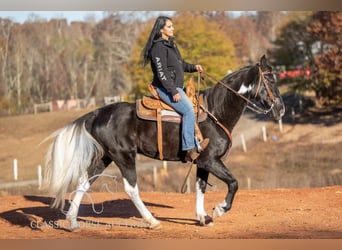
pixel 114 133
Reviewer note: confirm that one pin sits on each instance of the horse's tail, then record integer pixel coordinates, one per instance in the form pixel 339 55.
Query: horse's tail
pixel 70 154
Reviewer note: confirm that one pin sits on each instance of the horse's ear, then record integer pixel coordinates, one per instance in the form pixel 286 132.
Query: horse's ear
pixel 252 73
pixel 263 64
pixel 263 61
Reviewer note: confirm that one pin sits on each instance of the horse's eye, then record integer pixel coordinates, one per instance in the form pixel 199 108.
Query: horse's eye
pixel 270 78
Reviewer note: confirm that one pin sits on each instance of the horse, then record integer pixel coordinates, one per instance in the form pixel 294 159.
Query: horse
pixel 113 133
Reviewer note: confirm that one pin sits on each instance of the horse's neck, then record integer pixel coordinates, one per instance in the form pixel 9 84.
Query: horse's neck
pixel 226 106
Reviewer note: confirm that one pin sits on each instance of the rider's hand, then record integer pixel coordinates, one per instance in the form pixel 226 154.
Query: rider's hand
pixel 199 68
pixel 176 97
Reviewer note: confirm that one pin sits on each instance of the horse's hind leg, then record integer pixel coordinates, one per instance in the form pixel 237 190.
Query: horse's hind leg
pixel 126 164
pixel 133 193
pixel 71 215
pixel 201 183
pixel 131 189
pixel 83 187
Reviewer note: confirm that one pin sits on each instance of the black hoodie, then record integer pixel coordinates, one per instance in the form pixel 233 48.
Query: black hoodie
pixel 168 66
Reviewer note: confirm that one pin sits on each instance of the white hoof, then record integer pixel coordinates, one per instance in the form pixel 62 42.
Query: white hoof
pixel 74 227
pixel 218 211
pixel 154 224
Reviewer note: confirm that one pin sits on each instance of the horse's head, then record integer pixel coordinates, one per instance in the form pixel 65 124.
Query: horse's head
pixel 265 90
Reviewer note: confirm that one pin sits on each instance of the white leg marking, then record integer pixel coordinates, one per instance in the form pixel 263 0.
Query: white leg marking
pixel 218 210
pixel 202 216
pixel 199 201
pixel 133 193
pixel 75 204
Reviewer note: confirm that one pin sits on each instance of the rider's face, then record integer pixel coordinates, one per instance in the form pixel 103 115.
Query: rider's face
pixel 167 30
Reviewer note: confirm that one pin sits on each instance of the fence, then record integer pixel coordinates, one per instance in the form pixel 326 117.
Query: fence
pixel 112 99
pixel 42 107
pixel 17 183
pixel 64 105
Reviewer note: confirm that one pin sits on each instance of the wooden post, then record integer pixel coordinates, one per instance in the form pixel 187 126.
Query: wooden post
pixel 281 125
pixel 293 115
pixel 300 105
pixel 188 189
pixel 243 142
pixel 15 169
pixel 155 176
pixel 264 135
pixel 40 177
pixel 165 165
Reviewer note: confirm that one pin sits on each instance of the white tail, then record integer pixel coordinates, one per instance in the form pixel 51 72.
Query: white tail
pixel 68 158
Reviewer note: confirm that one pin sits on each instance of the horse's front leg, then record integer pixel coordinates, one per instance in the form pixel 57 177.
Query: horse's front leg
pixel 201 183
pixel 220 171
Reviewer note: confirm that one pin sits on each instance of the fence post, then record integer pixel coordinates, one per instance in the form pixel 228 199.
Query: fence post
pixel 40 177
pixel 188 189
pixel 243 142
pixel 281 125
pixel 165 165
pixel 293 115
pixel 50 106
pixel 264 134
pixel 155 176
pixel 15 169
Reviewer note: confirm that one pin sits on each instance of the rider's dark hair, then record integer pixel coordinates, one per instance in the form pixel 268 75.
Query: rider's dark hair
pixel 154 35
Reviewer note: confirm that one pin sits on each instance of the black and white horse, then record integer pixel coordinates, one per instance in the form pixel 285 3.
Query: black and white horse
pixel 85 147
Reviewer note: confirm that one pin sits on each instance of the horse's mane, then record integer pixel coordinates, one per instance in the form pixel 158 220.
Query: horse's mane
pixel 220 95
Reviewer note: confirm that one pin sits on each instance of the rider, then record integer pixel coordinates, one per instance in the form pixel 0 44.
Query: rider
pixel 168 76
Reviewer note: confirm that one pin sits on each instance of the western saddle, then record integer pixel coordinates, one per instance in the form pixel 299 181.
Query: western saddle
pixel 154 109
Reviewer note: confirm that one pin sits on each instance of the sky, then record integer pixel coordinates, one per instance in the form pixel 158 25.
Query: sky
pixel 22 16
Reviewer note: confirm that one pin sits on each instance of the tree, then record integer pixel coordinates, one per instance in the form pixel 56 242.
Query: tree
pixel 326 28
pixel 113 41
pixel 293 43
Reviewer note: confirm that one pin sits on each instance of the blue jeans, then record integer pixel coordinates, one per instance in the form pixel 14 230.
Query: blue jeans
pixel 185 108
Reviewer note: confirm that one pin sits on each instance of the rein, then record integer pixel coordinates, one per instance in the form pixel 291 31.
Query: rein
pixel 252 106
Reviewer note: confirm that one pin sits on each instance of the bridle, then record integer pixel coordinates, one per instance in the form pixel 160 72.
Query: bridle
pixel 251 105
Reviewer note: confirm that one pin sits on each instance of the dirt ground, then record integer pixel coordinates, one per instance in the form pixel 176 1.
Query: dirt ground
pixel 294 180
pixel 258 214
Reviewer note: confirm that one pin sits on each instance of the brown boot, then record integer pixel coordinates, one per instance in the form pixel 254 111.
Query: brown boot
pixel 192 154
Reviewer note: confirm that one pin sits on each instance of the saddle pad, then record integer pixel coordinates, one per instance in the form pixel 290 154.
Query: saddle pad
pixel 151 115
pixel 167 115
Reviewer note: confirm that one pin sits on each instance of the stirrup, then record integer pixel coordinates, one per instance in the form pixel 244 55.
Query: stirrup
pixel 202 145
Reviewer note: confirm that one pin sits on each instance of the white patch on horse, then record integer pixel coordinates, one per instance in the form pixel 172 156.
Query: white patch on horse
pixel 243 89
pixel 199 201
pixel 133 193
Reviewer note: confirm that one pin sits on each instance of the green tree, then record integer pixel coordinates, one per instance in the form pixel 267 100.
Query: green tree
pixel 198 40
